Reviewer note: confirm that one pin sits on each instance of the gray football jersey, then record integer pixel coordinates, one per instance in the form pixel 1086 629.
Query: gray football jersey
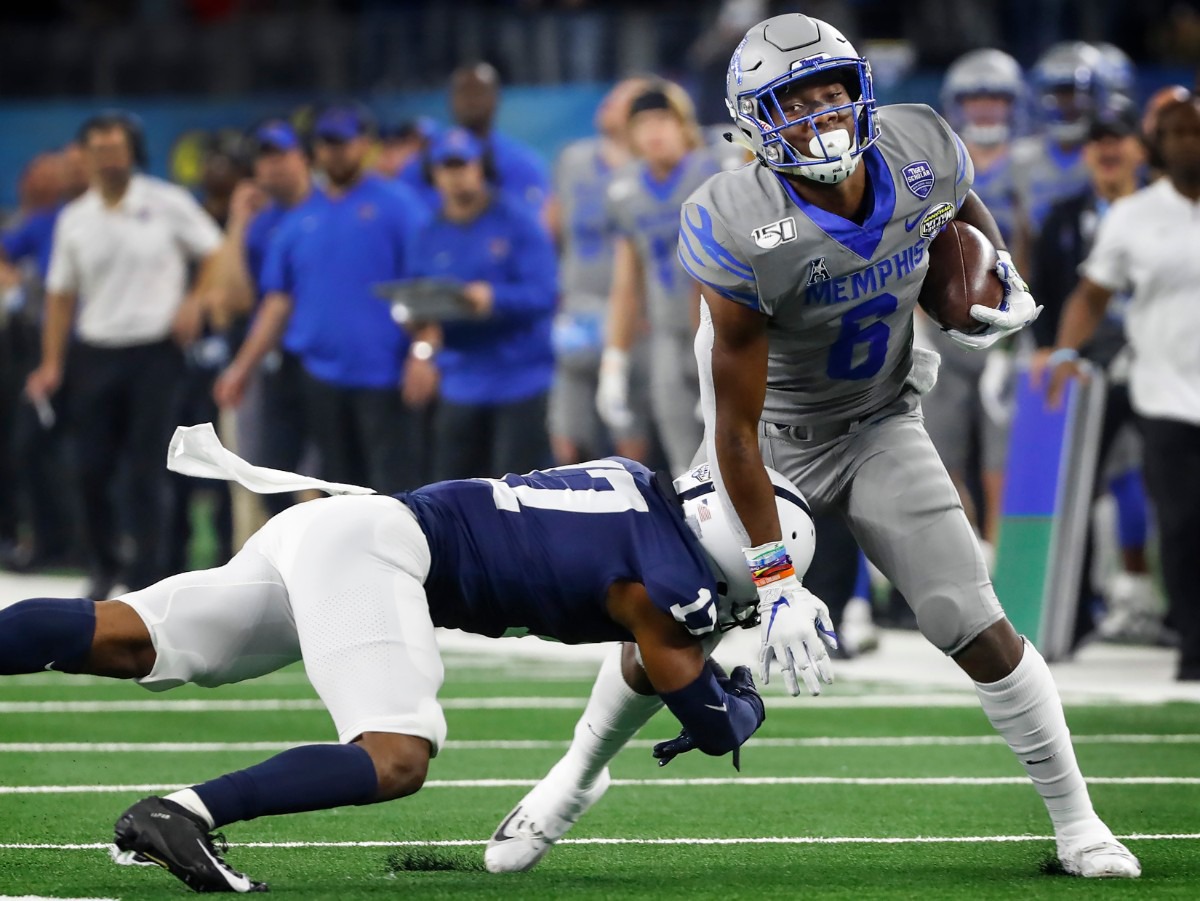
pixel 1046 174
pixel 581 182
pixel 840 296
pixel 647 212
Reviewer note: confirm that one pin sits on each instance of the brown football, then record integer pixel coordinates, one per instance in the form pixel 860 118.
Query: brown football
pixel 962 272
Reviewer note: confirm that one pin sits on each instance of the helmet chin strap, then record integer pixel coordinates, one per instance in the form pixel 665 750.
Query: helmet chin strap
pixel 834 149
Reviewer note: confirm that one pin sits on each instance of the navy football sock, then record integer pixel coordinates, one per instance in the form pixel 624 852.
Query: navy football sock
pixel 311 777
pixel 46 633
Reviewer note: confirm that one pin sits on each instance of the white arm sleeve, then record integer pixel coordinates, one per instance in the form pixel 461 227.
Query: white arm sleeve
pixel 708 405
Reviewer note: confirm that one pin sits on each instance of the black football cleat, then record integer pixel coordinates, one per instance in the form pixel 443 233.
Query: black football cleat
pixel 174 838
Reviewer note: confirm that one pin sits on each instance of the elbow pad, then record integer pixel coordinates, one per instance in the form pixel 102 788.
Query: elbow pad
pixel 717 719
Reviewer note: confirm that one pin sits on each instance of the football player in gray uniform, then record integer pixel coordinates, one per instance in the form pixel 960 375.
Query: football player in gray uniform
pixel 982 97
pixel 810 264
pixel 1069 86
pixel 649 287
pixel 578 216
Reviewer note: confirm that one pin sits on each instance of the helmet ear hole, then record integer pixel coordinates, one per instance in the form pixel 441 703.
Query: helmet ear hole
pixel 795 535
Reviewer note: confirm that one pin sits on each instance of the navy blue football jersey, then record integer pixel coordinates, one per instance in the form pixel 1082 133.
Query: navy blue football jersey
pixel 536 553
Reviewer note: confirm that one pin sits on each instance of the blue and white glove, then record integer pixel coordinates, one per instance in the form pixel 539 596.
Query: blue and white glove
pixel 1017 310
pixel 794 625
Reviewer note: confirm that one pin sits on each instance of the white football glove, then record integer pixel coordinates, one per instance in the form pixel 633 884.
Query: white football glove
pixel 795 628
pixel 1017 310
pixel 612 392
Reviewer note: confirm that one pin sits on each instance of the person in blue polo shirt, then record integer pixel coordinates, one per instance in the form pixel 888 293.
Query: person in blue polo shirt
pixel 355 231
pixel 495 371
pixel 271 423
pixel 34 437
pixel 519 171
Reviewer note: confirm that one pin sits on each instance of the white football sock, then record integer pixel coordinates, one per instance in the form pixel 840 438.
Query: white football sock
pixel 1024 707
pixel 189 800
pixel 614 714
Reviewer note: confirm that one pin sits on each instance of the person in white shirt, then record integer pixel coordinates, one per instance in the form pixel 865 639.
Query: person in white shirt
pixel 1147 244
pixel 117 313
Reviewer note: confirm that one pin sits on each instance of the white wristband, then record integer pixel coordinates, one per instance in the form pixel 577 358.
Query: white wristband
pixel 1060 356
pixel 615 360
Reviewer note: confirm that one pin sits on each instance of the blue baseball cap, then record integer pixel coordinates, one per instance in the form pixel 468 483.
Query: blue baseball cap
pixel 455 144
pixel 276 135
pixel 341 123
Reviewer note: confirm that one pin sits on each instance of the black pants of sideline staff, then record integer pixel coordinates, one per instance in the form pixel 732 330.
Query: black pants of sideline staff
pixel 1172 463
pixel 473 440
pixel 365 436
pixel 120 400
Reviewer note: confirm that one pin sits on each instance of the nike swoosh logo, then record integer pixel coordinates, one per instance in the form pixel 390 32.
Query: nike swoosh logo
pixel 724 708
pixel 910 224
pixel 236 881
pixel 775 609
pixel 500 835
pixel 50 666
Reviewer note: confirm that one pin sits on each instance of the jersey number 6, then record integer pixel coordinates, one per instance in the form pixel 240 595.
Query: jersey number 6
pixel 854 334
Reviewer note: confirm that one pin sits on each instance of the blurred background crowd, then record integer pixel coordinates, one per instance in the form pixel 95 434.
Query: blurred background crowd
pixel 207 202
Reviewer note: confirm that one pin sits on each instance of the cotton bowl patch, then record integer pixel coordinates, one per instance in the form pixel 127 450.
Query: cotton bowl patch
pixel 919 177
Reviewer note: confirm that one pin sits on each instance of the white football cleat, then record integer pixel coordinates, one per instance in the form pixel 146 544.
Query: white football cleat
pixel 857 632
pixel 1096 854
pixel 544 815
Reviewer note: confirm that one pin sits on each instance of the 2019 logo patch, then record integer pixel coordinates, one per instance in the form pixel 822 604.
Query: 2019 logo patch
pixel 768 236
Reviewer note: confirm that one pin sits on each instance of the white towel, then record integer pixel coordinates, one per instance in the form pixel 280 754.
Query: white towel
pixel 197 451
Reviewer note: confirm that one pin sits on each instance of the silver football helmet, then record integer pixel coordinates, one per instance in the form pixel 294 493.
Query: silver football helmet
pixel 777 53
pixel 1068 80
pixel 1118 73
pixel 983 73
pixel 737 597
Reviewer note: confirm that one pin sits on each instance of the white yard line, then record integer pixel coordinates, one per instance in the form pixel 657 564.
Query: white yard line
pixel 874 741
pixel 862 781
pixel 827 702
pixel 763 840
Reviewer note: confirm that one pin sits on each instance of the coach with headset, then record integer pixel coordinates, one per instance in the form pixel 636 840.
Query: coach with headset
pixel 118 313
pixel 495 368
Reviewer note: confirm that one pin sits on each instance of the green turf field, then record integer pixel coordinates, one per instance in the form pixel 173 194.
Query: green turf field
pixel 833 802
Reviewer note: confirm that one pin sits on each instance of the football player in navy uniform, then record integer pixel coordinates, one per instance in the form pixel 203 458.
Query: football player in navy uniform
pixel 354 585
pixel 810 264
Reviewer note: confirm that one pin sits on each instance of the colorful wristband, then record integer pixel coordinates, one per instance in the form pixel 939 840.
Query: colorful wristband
pixel 769 563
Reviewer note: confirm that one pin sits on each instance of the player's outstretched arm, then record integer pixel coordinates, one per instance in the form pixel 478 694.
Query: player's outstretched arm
pixel 717 715
pixel 795 626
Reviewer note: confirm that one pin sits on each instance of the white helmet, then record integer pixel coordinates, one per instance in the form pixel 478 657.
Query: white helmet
pixel 1070 87
pixel 773 55
pixel 987 72
pixel 705 514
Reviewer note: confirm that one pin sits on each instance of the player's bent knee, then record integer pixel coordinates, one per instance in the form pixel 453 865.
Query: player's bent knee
pixel 122 647
pixel 993 654
pixel 401 762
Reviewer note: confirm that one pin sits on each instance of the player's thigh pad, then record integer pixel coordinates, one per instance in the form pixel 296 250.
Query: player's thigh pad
pixel 219 625
pixel 903 509
pixel 355 569
pixel 950 411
